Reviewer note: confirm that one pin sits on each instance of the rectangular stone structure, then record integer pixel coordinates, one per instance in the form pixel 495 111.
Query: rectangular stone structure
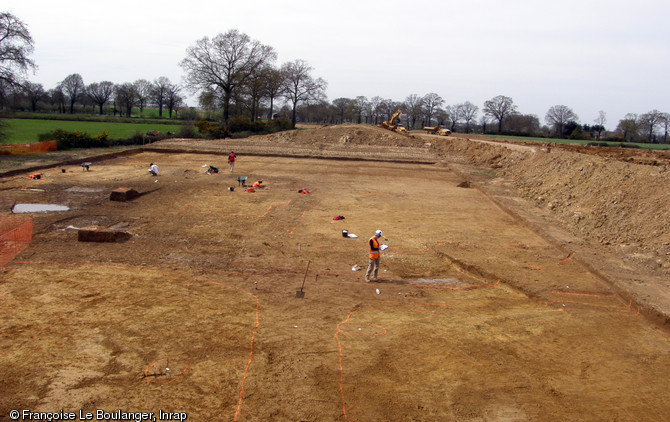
pixel 123 194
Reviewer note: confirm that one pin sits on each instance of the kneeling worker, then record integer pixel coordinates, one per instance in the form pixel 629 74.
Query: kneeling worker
pixel 374 247
pixel 153 169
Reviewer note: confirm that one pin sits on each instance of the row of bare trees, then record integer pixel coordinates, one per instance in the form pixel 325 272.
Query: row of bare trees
pixel 652 126
pixel 17 92
pixel 235 74
pixel 123 98
pixel 498 115
pixel 232 69
pixel 430 110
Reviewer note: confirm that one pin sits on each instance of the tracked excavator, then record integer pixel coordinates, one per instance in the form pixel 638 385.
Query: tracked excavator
pixel 437 130
pixel 393 124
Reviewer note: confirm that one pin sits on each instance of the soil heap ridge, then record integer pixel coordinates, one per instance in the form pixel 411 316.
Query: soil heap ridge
pixel 610 201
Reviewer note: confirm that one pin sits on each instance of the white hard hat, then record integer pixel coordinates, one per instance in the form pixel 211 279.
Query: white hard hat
pixel 378 233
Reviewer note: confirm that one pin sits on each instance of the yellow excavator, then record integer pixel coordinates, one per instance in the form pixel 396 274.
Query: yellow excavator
pixel 393 125
pixel 437 130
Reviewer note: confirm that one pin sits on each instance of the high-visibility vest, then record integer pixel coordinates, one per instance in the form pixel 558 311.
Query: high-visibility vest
pixel 373 244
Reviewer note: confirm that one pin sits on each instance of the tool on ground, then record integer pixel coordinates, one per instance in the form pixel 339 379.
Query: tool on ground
pixel 299 294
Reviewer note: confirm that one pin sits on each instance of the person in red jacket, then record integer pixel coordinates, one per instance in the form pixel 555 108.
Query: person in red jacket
pixel 231 160
pixel 373 246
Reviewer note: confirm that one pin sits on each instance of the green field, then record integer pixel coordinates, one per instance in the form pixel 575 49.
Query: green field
pixel 28 130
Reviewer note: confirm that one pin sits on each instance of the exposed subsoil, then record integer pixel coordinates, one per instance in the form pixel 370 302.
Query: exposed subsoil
pixel 522 281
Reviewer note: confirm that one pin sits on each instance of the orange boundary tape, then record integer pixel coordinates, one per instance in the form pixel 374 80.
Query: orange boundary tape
pixel 28 148
pixel 614 309
pixel 339 344
pixel 583 294
pixel 568 258
pixel 17 235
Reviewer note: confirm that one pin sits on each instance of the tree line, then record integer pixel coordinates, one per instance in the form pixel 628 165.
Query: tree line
pixel 234 75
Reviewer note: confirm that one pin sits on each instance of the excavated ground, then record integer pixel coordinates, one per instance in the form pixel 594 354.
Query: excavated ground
pixel 522 281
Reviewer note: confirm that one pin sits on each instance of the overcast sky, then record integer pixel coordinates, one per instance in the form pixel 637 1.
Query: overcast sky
pixel 589 55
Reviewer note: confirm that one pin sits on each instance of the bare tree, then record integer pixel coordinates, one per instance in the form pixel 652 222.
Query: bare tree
pixel 34 93
pixel 376 104
pixel 391 107
pixel 498 108
pixel 173 99
pixel 56 97
pixel 468 112
pixel 413 108
pixel 368 111
pixel 73 87
pixel 126 98
pixel 300 86
pixel 342 105
pixel 206 100
pixel 16 45
pixel 628 127
pixel 528 124
pixel 255 90
pixel 143 93
pixel 358 106
pixel 483 121
pixel 100 93
pixel 558 116
pixel 274 82
pixel 453 115
pixel 159 90
pixel 442 117
pixel 226 62
pixel 649 121
pixel 600 123
pixel 665 122
pixel 431 102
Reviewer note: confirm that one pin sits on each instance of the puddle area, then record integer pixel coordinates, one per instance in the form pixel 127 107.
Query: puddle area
pixel 79 189
pixel 26 208
pixel 437 281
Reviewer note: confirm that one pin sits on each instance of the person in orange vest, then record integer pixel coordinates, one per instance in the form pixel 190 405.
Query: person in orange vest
pixel 373 246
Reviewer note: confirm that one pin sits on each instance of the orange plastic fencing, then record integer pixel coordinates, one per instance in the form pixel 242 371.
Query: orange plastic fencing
pixel 32 148
pixel 16 233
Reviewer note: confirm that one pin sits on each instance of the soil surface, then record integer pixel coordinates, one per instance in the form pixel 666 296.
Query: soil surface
pixel 521 282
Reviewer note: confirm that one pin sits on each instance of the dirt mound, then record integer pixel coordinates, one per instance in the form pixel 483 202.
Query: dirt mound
pixel 348 142
pixel 347 135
